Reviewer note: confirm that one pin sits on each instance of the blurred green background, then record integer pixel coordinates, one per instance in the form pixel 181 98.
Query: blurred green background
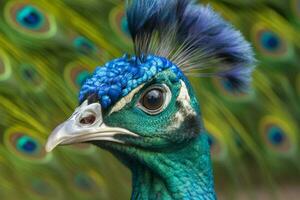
pixel 48 48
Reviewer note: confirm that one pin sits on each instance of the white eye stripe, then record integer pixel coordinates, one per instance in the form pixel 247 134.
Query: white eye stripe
pixel 185 100
pixel 125 100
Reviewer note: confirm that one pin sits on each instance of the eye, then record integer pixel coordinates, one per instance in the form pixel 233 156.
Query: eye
pixel 155 99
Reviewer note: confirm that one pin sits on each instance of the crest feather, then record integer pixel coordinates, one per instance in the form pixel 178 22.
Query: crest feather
pixel 192 36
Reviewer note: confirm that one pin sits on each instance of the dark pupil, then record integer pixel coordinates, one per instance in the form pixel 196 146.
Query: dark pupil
pixel 153 99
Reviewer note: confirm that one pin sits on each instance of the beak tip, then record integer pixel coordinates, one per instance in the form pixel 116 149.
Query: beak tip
pixel 50 145
pixel 49 148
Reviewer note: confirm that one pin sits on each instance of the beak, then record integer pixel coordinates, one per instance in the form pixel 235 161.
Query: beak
pixel 85 124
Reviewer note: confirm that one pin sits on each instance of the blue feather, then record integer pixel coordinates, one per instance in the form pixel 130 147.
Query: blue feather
pixel 208 44
pixel 147 15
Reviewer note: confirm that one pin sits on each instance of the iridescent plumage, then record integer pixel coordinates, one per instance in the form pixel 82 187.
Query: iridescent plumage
pixel 254 135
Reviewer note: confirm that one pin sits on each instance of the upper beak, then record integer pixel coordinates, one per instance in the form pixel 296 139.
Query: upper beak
pixel 73 131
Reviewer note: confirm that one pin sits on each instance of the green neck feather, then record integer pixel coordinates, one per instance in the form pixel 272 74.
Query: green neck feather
pixel 182 174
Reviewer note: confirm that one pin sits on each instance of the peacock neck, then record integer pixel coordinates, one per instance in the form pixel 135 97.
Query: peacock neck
pixel 183 174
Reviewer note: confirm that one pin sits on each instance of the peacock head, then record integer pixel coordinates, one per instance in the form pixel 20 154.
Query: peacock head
pixel 145 103
pixel 129 102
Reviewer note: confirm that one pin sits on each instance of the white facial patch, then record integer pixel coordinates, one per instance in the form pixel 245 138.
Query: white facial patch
pixel 125 100
pixel 185 110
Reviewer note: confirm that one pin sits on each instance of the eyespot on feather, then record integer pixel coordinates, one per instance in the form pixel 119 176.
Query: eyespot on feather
pixel 89 183
pixel 277 136
pixel 271 44
pixel 29 19
pixel 84 45
pixel 25 144
pixel 31 78
pixel 44 187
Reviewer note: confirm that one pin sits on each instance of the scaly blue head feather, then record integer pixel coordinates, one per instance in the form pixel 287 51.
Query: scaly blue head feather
pixel 119 77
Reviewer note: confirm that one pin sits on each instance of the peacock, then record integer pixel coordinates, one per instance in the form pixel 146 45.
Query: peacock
pixel 142 107
pixel 49 50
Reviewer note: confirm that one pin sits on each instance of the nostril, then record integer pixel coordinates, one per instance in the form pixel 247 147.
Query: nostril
pixel 90 119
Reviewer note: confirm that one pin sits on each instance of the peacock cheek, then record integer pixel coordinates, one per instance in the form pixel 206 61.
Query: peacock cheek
pixel 136 121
